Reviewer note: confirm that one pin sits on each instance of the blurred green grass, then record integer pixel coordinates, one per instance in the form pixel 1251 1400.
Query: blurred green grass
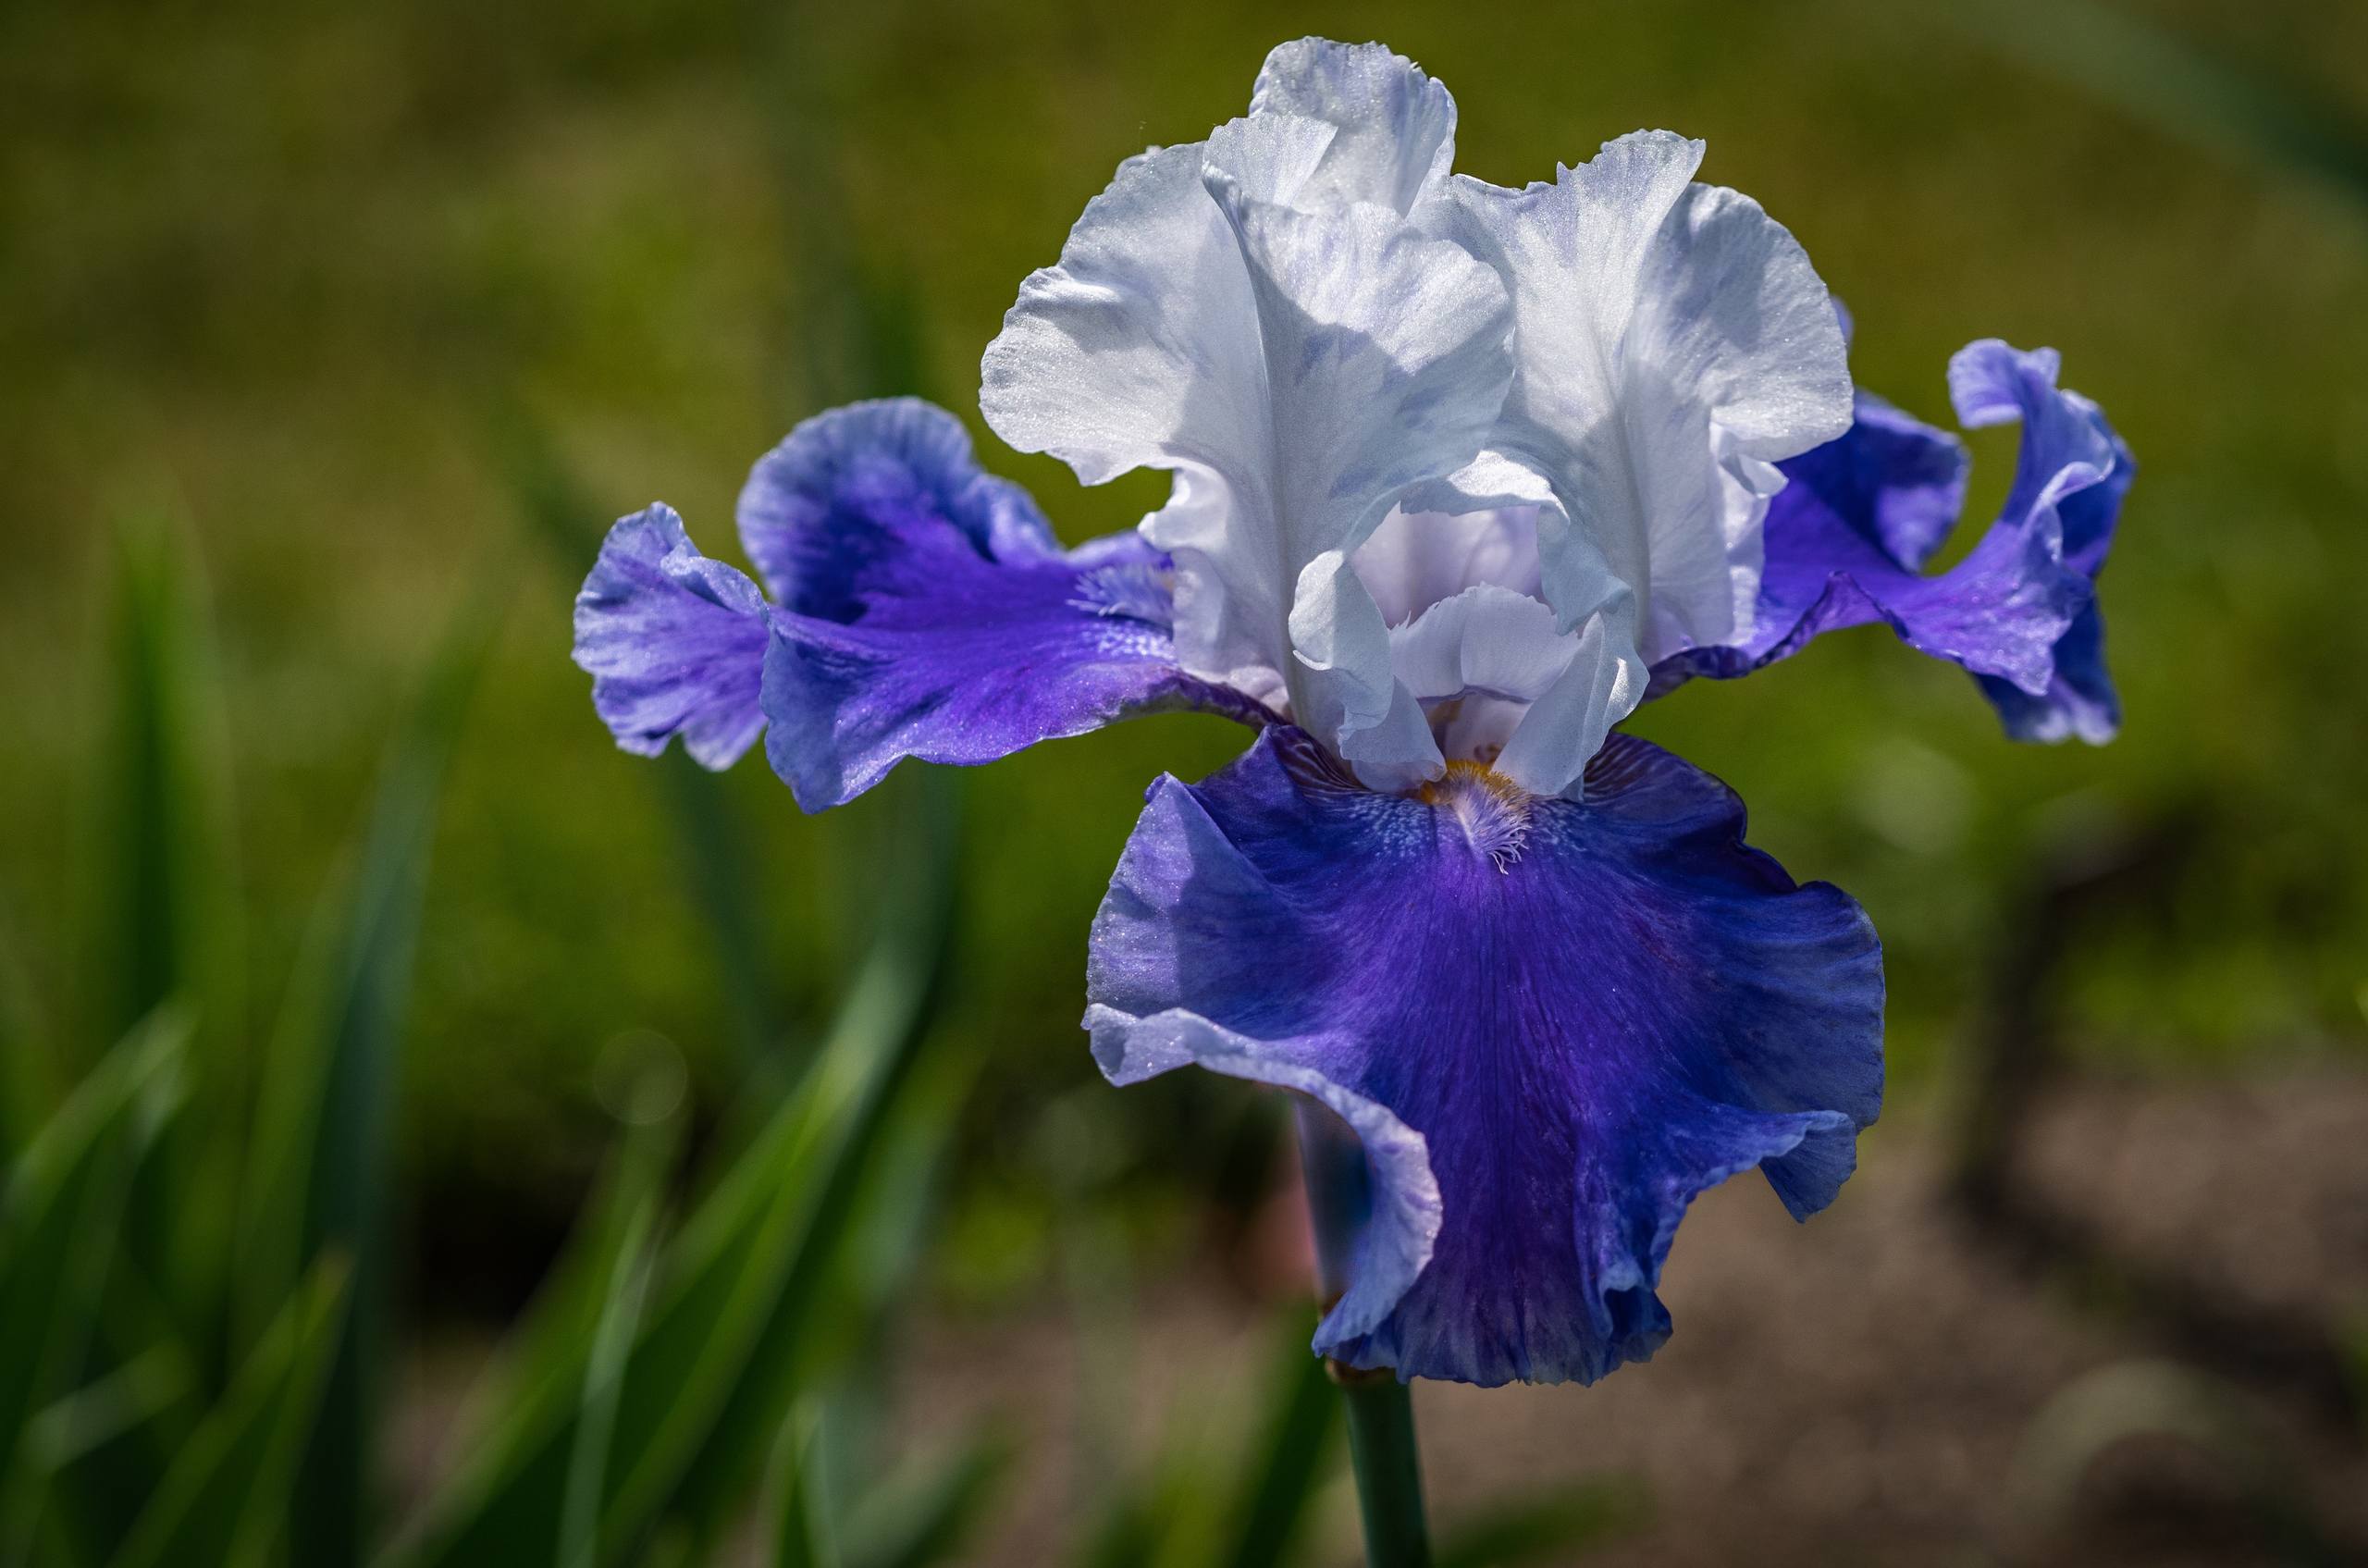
pixel 274 271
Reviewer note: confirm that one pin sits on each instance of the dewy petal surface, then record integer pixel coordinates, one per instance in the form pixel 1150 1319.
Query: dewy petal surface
pixel 1850 532
pixel 1297 367
pixel 927 611
pixel 674 642
pixel 1394 127
pixel 1578 1014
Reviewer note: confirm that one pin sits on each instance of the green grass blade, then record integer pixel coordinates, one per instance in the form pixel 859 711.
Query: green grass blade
pixel 799 1536
pixel 716 868
pixel 1129 1534
pixel 545 1354
pixel 60 1199
pixel 109 1407
pixel 703 1393
pixel 851 1342
pixel 316 1179
pixel 1301 1421
pixel 701 1468
pixel 504 1503
pixel 59 1221
pixel 610 1344
pixel 848 1352
pixel 28 1091
pixel 171 926
pixel 226 1500
pixel 1171 1512
pixel 925 1519
pixel 1145 1519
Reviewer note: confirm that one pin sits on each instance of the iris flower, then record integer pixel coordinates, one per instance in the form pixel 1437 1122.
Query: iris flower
pixel 1462 476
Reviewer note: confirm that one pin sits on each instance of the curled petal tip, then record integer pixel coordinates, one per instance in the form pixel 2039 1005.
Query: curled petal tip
pixel 674 642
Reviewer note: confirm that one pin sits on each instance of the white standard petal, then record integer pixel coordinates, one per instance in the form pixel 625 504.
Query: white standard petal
pixel 1297 368
pixel 1396 126
pixel 1107 361
pixel 1142 349
pixel 1673 343
pixel 1385 360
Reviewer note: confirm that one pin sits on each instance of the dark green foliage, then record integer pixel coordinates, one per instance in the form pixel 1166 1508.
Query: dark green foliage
pixel 698 1398
pixel 227 1496
pixel 707 828
pixel 1290 1462
pixel 927 1518
pixel 169 928
pixel 154 1413
pixel 63 1206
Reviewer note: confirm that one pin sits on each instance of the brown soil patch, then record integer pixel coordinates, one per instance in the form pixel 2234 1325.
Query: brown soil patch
pixel 1853 1391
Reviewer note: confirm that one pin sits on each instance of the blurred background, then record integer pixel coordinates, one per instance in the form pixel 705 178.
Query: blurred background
pixel 336 334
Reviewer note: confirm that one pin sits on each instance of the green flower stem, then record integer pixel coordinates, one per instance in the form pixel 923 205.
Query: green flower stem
pixel 1388 1468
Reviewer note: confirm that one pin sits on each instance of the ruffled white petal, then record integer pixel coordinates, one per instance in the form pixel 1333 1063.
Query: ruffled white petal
pixel 1673 342
pixel 1396 126
pixel 1298 369
pixel 1384 359
pixel 1120 357
pixel 1305 319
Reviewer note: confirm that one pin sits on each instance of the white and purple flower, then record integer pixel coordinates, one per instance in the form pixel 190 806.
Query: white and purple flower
pixel 1462 474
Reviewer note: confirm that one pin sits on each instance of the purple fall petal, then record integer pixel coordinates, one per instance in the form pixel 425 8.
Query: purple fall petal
pixel 1993 385
pixel 839 486
pixel 674 642
pixel 927 610
pixel 1849 534
pixel 1551 1023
